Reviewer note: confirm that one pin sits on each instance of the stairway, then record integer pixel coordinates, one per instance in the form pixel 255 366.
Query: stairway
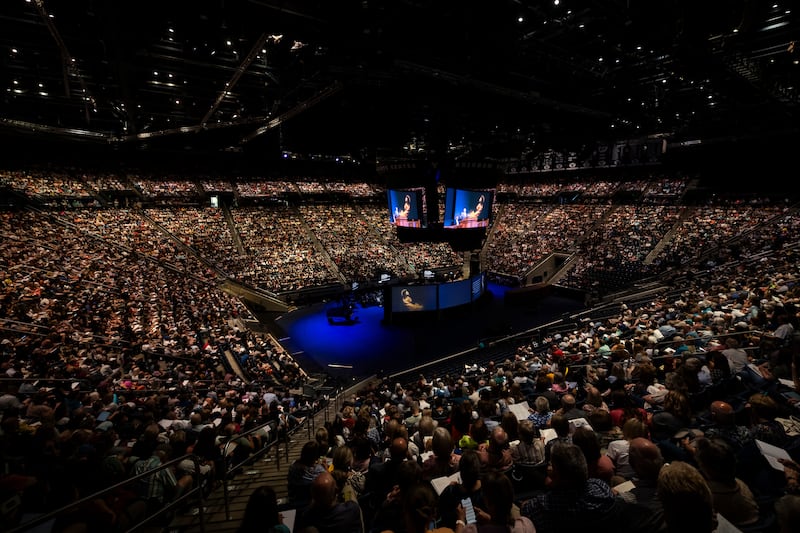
pixel 268 469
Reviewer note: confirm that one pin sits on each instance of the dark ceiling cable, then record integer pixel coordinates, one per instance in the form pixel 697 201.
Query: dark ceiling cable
pixel 67 61
pixel 243 66
pixel 324 94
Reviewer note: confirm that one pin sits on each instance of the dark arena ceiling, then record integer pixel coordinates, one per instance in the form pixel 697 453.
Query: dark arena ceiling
pixel 376 80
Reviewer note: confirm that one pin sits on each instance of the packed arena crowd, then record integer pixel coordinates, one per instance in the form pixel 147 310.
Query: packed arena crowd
pixel 120 352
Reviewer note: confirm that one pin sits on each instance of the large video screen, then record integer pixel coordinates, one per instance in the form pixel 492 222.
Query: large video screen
pixel 435 296
pixel 467 208
pixel 407 207
pixel 414 298
pixel 455 293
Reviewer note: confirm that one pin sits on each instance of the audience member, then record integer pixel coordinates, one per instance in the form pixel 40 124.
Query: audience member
pixel 730 496
pixel 619 450
pixel 646 461
pixel 350 483
pixel 574 499
pixel 561 426
pixel 598 463
pixel 325 512
pixel 443 461
pixel 302 473
pixel 496 455
pixel 568 408
pixel 542 412
pixel 530 449
pixel 686 499
pixel 381 476
pixel 497 515
pixel 261 513
pixel 389 514
pixel 470 486
pixel 419 511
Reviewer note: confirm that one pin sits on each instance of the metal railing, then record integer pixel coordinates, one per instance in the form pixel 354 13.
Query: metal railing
pixel 279 436
pixel 194 493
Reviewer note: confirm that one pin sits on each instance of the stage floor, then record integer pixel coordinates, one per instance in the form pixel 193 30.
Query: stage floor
pixel 371 346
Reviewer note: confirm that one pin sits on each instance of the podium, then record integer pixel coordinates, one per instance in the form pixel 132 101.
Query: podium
pixel 404 222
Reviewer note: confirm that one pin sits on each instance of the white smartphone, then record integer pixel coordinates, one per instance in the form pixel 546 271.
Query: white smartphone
pixel 467 504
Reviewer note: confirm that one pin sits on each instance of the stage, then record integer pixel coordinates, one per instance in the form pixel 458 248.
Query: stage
pixel 358 342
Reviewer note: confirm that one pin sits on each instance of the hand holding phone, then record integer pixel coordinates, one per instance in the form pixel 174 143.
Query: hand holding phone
pixel 466 503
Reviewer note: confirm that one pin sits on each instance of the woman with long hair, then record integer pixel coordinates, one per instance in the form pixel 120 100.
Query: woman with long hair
pixel 496 515
pixel 470 487
pixel 350 482
pixel 261 514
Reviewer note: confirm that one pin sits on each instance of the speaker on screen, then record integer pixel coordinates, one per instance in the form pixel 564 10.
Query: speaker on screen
pixel 467 208
pixel 407 207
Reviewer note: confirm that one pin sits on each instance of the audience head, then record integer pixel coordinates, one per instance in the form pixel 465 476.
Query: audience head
pixel 442 443
pixel 420 507
pixel 593 396
pixel 569 468
pixel 261 511
pixel 645 458
pixel 408 474
pixel 479 431
pixel 716 460
pixel 586 439
pixel 498 496
pixel 633 427
pixel 567 402
pixel 722 413
pixel 398 450
pixel 541 404
pixel 395 428
pixel 321 436
pixel 600 420
pixel 469 466
pixel 686 498
pixel 498 440
pixel 787 511
pixel 763 406
pixel 543 382
pixel 426 426
pixel 323 490
pixel 560 424
pixel 309 453
pixel 510 423
pixel 677 403
pixel 527 431
pixel 342 458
